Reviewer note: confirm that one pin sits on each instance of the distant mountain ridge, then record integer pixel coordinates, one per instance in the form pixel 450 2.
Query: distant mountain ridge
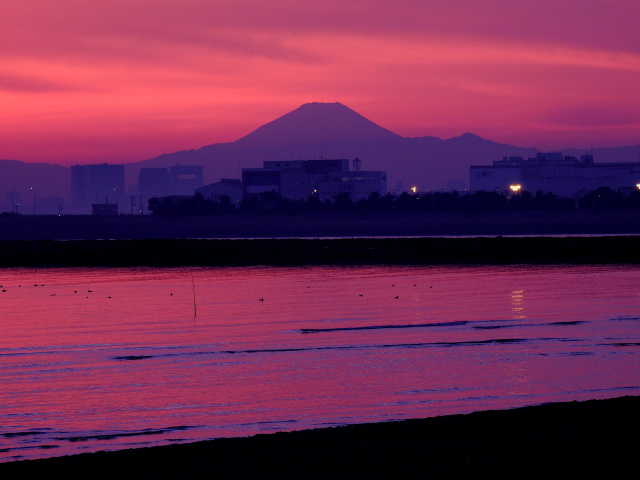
pixel 319 130
pixel 333 130
pixel 21 182
pixel 315 123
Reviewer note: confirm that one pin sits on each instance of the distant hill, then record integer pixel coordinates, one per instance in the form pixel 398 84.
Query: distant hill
pixel 629 153
pixel 313 131
pixel 315 123
pixel 19 180
pixel 332 130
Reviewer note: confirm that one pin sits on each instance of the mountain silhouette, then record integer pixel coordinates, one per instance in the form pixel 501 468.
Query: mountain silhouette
pixel 316 123
pixel 21 183
pixel 333 130
pixel 313 131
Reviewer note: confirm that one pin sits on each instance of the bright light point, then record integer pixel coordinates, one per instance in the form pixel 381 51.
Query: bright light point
pixel 414 189
pixel 515 188
pixel 638 186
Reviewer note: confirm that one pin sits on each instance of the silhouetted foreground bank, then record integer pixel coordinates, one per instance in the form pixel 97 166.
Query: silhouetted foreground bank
pixel 592 439
pixel 344 251
pixel 353 224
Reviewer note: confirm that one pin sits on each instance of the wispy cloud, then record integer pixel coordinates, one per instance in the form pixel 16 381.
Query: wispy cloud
pixel 32 84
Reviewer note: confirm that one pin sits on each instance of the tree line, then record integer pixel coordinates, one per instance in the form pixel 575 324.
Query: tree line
pixel 601 198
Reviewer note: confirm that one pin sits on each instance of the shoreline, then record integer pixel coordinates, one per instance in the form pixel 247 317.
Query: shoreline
pixel 497 250
pixel 355 238
pixel 321 225
pixel 557 440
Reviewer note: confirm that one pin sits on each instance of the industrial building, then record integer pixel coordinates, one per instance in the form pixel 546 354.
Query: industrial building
pixel 96 184
pixel 177 180
pixel 153 182
pixel 324 179
pixel 552 172
pixel 184 179
pixel 229 187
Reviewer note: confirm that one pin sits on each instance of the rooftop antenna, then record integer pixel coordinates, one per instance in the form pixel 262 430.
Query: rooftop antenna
pixel 356 164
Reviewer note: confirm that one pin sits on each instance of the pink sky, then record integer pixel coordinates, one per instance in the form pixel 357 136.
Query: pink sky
pixel 122 80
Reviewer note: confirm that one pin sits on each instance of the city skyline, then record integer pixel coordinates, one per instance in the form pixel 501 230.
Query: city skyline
pixel 121 82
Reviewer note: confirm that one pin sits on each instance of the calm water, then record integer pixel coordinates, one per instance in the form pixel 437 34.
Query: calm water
pixel 94 359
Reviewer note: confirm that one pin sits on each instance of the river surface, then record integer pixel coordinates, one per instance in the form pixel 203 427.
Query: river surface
pixel 99 359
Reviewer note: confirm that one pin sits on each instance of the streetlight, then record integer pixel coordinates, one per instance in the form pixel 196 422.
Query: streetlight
pixel 14 204
pixel 117 200
pixel 34 200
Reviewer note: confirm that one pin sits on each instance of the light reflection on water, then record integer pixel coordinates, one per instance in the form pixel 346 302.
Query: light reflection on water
pixel 96 359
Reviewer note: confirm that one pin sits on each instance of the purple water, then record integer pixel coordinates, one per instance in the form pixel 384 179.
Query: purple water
pixel 95 359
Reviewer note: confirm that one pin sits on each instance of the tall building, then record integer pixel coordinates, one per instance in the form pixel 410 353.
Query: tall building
pixel 153 182
pixel 324 179
pixel 96 184
pixel 554 173
pixel 184 179
pixel 177 180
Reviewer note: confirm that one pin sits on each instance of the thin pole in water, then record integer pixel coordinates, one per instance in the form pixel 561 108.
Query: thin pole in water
pixel 193 286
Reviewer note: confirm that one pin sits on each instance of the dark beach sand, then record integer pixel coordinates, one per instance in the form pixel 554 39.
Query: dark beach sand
pixel 591 439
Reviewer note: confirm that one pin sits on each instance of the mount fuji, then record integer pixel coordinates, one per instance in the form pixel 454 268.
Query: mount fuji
pixel 333 130
pixel 313 131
